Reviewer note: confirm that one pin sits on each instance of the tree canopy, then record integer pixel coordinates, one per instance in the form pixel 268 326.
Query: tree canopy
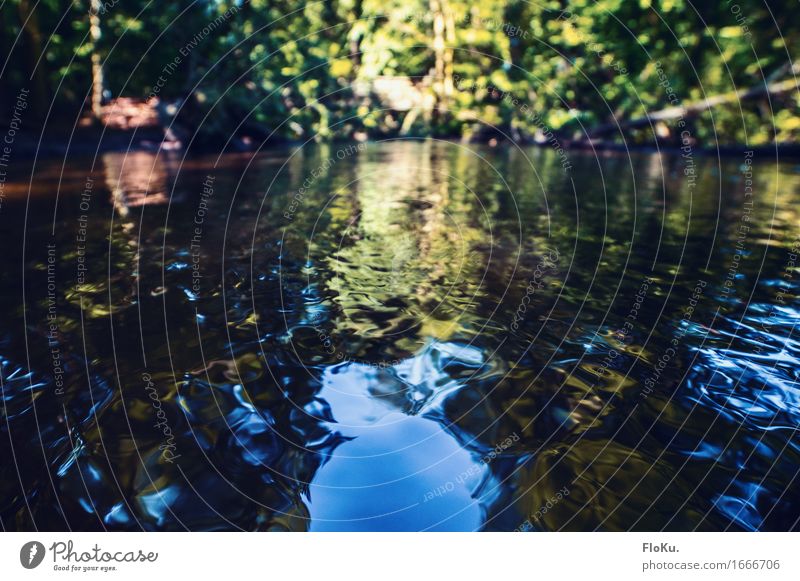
pixel 373 68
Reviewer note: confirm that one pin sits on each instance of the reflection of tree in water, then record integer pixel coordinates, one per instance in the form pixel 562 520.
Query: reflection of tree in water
pixel 254 408
pixel 405 265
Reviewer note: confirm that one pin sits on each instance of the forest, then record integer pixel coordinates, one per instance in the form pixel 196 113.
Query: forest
pixel 231 74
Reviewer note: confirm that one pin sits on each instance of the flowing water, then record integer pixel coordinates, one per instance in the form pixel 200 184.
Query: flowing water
pixel 400 336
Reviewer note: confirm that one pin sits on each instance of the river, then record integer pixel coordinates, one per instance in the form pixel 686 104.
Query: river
pixel 409 335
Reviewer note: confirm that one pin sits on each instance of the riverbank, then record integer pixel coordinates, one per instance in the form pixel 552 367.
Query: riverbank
pixel 134 126
pixel 90 143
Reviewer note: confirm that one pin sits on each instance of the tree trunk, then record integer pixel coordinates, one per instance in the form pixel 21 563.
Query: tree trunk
pixel 356 36
pixel 771 88
pixel 443 41
pixel 97 66
pixel 438 52
pixel 450 37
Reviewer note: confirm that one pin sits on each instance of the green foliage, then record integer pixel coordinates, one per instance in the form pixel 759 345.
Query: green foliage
pixel 308 71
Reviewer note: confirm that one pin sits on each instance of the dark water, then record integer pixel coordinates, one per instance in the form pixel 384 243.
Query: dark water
pixel 424 337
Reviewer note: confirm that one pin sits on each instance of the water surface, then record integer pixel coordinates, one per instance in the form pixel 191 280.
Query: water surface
pixel 400 336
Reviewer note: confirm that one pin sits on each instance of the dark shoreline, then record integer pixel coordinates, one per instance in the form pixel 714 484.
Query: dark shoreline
pixel 92 141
